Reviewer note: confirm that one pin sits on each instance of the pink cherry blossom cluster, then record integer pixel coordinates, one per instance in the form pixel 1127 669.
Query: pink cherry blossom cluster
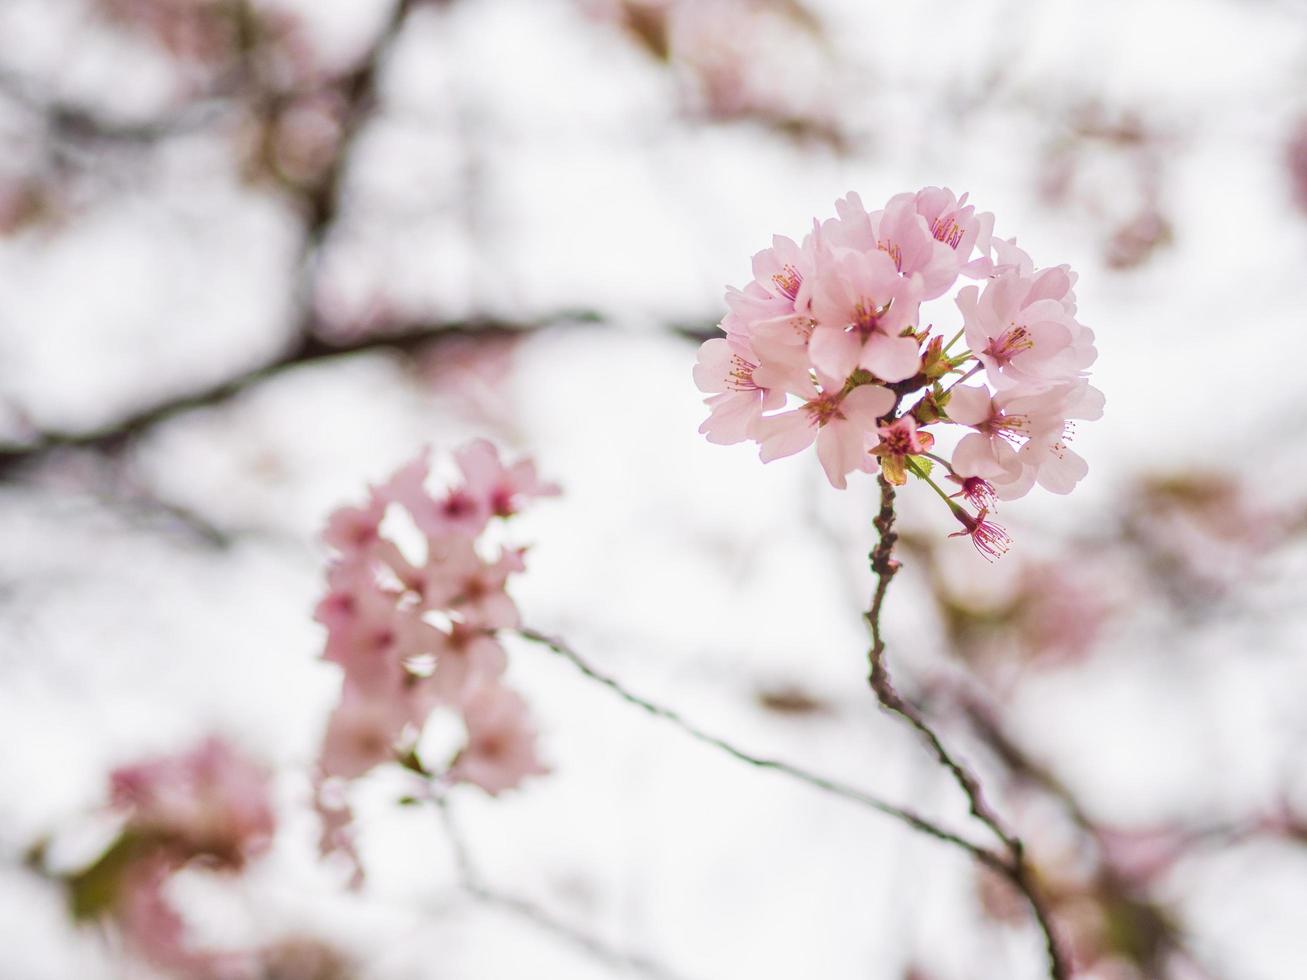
pixel 210 801
pixel 827 344
pixel 208 806
pixel 416 634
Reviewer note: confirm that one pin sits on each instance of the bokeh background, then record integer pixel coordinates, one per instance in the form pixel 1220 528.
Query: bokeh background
pixel 254 253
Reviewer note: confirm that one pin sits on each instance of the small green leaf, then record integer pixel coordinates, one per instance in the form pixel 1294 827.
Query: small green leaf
pixel 93 891
pixel 920 465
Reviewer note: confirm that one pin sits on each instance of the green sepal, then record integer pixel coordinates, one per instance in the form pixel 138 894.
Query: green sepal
pixel 93 891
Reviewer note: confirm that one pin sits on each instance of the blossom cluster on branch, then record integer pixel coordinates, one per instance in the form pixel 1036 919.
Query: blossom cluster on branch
pixel 208 809
pixel 414 633
pixel 828 340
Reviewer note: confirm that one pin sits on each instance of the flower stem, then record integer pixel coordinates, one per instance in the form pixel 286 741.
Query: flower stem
pixel 920 473
pixel 974 369
pixel 1015 867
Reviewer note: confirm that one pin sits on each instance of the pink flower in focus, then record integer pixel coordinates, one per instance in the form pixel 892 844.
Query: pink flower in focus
pixel 990 540
pixel 955 223
pixel 978 492
pixel 899 440
pixel 725 370
pixel 1023 330
pixel 990 451
pixel 210 801
pixel 1020 439
pixel 501 749
pixel 862 306
pixel 838 321
pixel 917 249
pixel 838 423
pixel 1046 458
pixel 785 271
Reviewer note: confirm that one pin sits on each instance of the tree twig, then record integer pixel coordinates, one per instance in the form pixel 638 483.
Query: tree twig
pixel 310 349
pixel 831 786
pixel 1015 867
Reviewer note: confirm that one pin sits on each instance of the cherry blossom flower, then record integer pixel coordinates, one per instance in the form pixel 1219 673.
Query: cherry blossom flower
pixel 364 730
pixel 725 370
pixel 1022 331
pixel 786 271
pixel 832 343
pixel 955 223
pixel 504 489
pixel 468 657
pixel 862 306
pixel 500 750
pixel 990 540
pixel 150 926
pixel 1021 439
pixel 899 440
pixel 413 636
pixel 974 490
pixel 838 423
pixel 210 801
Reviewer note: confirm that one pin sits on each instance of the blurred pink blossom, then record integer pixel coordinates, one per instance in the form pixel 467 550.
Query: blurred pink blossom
pixel 209 801
pixel 500 750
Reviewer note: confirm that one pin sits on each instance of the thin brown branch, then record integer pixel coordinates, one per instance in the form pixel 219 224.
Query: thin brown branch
pixel 321 204
pixel 1015 867
pixel 309 350
pixel 831 786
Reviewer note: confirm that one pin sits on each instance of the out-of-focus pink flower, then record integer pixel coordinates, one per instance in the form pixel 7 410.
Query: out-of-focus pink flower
pixel 471 373
pixel 336 822
pixel 351 530
pixel 476 587
pixel 505 489
pixel 210 801
pixel 1059 611
pixel 467 658
pixel 1295 158
pixel 151 927
pixel 414 635
pixel 501 743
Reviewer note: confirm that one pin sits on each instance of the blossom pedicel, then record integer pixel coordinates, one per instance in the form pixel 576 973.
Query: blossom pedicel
pixel 827 345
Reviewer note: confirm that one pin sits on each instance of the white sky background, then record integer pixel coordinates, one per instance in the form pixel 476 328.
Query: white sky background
pixel 530 161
